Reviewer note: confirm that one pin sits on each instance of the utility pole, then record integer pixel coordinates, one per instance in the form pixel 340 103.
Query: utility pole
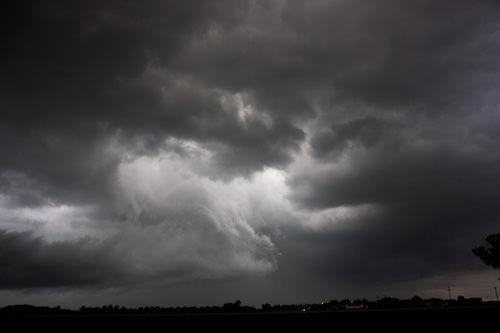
pixel 496 293
pixel 449 293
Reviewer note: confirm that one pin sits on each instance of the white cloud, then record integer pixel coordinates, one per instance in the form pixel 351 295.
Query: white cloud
pixel 241 104
pixel 183 225
pixel 338 216
pixel 53 222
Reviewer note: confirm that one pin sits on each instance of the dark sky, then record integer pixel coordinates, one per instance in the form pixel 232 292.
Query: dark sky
pixel 199 152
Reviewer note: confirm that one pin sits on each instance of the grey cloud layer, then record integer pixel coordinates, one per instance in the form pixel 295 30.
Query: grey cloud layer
pixel 386 103
pixel 27 261
pixel 79 74
pixel 194 245
pixel 82 77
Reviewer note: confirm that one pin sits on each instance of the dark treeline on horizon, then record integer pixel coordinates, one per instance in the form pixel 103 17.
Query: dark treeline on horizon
pixel 237 307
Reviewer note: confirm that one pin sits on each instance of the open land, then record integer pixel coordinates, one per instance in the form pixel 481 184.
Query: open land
pixel 393 320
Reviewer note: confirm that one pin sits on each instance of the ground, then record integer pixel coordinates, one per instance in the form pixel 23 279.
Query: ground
pixel 403 320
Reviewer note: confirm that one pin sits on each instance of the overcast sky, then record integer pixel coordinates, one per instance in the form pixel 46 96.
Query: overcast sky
pixel 199 152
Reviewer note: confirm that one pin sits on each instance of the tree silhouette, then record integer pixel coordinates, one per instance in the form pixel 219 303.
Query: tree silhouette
pixel 489 254
pixel 232 307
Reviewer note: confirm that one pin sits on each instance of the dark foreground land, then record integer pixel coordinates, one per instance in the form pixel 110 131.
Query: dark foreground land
pixel 399 320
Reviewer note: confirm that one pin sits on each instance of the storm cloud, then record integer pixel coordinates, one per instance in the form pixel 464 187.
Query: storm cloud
pixel 247 148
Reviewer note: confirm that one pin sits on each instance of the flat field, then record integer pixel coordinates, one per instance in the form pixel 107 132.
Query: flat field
pixel 403 320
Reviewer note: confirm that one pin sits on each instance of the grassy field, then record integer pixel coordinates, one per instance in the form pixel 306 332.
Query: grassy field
pixel 404 320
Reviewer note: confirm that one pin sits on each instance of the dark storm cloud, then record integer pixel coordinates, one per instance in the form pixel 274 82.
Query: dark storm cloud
pixel 192 247
pixel 402 244
pixel 392 53
pixel 385 53
pixel 436 190
pixel 405 138
pixel 76 75
pixel 387 104
pixel 28 261
pixel 365 131
pixel 402 170
pixel 22 191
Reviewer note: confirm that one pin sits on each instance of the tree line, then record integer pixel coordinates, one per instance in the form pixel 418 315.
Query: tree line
pixel 236 307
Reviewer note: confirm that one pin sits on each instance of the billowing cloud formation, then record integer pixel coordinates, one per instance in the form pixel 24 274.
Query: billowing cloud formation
pixel 294 143
pixel 170 224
